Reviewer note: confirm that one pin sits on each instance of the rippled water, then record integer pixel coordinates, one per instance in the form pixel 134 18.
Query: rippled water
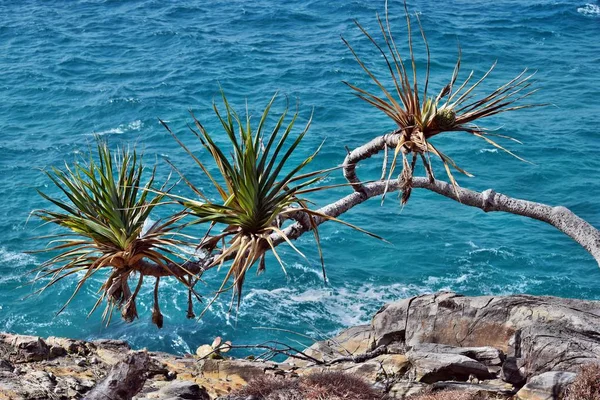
pixel 74 69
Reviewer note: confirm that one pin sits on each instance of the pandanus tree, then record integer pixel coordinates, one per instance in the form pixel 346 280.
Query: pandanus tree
pixel 261 198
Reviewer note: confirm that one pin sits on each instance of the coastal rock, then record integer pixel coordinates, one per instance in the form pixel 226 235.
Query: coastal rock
pixel 69 346
pixel 234 371
pixel 550 333
pixel 435 367
pixel 443 341
pixel 354 340
pixel 124 380
pixel 487 389
pixel 5 365
pixel 183 390
pixel 486 355
pixel 110 352
pixel 382 368
pixel 407 389
pixel 513 371
pixel 19 348
pixel 547 386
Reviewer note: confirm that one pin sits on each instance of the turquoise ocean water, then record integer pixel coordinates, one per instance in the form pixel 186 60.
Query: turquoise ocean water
pixel 74 69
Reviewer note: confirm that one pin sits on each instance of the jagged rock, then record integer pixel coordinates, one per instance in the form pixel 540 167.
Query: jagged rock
pixel 547 386
pixel 20 348
pixel 110 352
pixel 486 355
pixel 469 340
pixel 124 380
pixel 548 333
pixel 30 385
pixel 56 351
pixel 5 365
pixel 183 390
pixel 513 371
pixel 435 367
pixel 70 346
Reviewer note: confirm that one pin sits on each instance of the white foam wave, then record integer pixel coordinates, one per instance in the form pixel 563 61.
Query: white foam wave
pixel 15 259
pixel 132 126
pixel 345 306
pixel 493 251
pixel 589 10
pixel 481 151
pixel 307 269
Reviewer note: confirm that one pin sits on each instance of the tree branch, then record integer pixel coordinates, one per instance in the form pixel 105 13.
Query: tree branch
pixel 560 217
pixel 365 151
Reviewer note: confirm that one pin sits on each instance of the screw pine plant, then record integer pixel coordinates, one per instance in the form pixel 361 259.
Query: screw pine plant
pixel 259 188
pixel 419 115
pixel 105 207
pixel 261 191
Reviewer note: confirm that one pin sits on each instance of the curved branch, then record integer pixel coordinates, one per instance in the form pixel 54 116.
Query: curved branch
pixel 560 217
pixel 366 151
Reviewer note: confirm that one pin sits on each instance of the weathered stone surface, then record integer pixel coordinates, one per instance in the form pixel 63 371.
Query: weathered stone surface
pixel 406 389
pixel 124 380
pixel 547 386
pixel 19 348
pixel 485 355
pixel 451 342
pixel 110 352
pixel 5 365
pixel 513 371
pixel 378 369
pixel 183 390
pixel 237 372
pixel 435 367
pixel 70 346
pixel 550 333
pixel 490 389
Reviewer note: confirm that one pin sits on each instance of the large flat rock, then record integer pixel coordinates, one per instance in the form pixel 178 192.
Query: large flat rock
pixel 435 367
pixel 546 333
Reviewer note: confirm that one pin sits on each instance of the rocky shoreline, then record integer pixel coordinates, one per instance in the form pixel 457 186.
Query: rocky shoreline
pixel 509 347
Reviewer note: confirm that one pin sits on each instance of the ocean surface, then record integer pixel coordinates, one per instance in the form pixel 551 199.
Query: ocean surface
pixel 72 70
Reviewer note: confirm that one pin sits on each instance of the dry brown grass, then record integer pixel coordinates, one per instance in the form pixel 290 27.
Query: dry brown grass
pixel 339 385
pixel 587 384
pixel 319 386
pixel 452 395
